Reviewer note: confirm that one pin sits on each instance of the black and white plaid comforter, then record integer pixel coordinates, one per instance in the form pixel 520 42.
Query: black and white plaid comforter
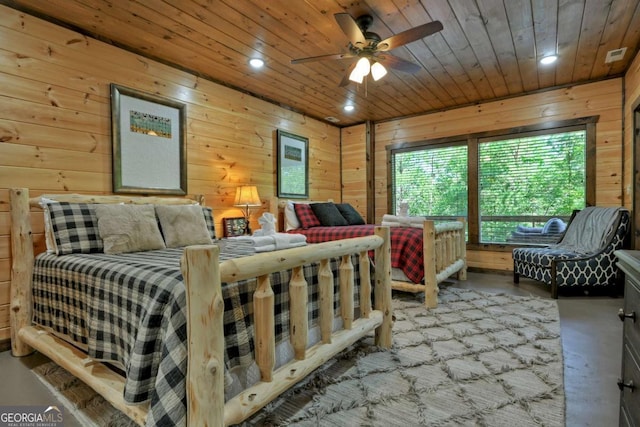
pixel 131 309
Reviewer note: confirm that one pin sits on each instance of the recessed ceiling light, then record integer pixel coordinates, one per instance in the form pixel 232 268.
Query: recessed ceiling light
pixel 549 59
pixel 349 107
pixel 256 62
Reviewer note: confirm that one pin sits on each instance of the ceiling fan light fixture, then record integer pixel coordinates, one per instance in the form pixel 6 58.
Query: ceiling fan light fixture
pixel 360 71
pixel 378 71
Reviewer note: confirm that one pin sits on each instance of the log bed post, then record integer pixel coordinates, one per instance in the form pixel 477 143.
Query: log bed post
pixel 365 284
pixel 298 300
pixel 205 308
pixel 263 308
pixel 325 295
pixel 21 269
pixel 383 337
pixel 430 264
pixel 346 291
pixel 462 249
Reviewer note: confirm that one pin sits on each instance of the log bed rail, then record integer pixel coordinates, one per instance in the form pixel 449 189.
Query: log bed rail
pixel 203 276
pixel 444 253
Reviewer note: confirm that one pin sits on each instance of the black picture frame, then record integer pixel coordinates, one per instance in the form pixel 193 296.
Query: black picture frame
pixel 293 165
pixel 149 143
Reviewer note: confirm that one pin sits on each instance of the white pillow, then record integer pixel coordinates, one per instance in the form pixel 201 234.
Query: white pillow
pixel 50 241
pixel 183 225
pixel 291 221
pixel 128 228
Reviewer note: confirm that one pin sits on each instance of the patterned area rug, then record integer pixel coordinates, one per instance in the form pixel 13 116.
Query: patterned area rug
pixel 478 359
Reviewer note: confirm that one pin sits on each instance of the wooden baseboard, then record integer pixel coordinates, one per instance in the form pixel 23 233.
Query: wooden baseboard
pixel 490 270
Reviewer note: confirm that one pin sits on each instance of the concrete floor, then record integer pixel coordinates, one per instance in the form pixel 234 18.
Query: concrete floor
pixel 591 339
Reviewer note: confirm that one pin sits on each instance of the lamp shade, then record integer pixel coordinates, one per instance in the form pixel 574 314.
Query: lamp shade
pixel 362 68
pixel 378 71
pixel 247 195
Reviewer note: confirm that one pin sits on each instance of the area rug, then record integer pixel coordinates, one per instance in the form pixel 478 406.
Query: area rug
pixel 479 359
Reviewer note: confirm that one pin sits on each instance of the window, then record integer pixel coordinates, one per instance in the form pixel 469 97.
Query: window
pixel 526 181
pixel 506 182
pixel 432 180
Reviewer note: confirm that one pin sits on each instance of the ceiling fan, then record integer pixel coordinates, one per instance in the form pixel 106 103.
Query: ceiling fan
pixel 372 50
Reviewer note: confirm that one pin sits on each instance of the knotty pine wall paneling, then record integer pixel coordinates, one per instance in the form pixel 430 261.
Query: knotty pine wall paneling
pixel 55 126
pixel 354 167
pixel 602 98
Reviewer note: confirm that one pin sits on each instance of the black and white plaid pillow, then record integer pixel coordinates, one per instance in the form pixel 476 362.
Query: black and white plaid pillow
pixel 208 219
pixel 75 228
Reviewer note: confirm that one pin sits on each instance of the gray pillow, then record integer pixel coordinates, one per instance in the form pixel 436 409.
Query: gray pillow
pixel 328 214
pixel 350 213
pixel 183 225
pixel 128 228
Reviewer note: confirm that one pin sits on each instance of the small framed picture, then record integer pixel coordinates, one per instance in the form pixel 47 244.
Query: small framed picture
pixel 293 165
pixel 234 227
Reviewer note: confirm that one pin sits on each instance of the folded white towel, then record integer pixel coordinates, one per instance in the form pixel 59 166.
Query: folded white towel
pixel 402 221
pixel 255 240
pixel 269 248
pixel 275 241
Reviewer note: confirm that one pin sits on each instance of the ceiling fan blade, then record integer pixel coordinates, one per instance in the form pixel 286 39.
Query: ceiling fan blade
pixel 351 29
pixel 323 57
pixel 411 35
pixel 399 64
pixel 345 79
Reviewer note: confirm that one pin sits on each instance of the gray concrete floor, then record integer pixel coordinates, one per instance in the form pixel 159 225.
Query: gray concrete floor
pixel 591 336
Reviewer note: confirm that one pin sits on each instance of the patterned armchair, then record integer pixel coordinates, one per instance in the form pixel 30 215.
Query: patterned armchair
pixel 572 262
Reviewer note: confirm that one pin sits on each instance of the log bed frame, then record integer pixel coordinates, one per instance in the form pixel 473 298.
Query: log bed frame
pixel 203 275
pixel 444 249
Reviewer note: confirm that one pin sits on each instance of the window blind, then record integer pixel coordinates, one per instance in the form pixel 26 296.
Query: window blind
pixel 432 180
pixel 527 180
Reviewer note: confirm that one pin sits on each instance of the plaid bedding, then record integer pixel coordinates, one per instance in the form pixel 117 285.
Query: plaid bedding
pixel 131 309
pixel 406 244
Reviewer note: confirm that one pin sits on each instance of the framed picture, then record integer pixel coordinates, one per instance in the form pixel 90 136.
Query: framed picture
pixel 293 165
pixel 149 143
pixel 234 226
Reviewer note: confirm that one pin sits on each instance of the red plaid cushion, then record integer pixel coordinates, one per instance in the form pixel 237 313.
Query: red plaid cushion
pixel 306 216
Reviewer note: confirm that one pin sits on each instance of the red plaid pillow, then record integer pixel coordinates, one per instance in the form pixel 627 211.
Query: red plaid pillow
pixel 306 216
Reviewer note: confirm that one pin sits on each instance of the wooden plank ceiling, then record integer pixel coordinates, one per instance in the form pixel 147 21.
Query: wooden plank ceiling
pixel 488 49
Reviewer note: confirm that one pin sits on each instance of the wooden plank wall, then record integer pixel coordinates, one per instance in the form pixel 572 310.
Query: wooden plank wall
pixel 354 167
pixel 55 126
pixel 602 98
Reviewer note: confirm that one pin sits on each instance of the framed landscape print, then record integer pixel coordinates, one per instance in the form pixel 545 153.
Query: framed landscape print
pixel 149 143
pixel 293 165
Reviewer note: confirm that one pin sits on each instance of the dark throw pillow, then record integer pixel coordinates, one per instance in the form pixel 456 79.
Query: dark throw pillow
pixel 328 214
pixel 350 214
